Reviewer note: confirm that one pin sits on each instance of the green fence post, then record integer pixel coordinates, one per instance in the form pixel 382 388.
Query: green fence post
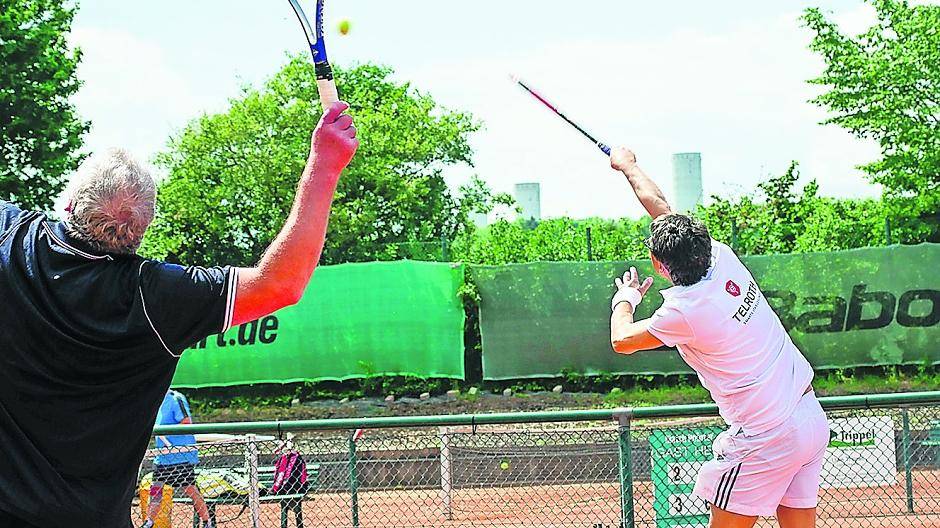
pixel 353 481
pixel 444 248
pixel 887 231
pixel 906 455
pixel 626 467
pixel 734 234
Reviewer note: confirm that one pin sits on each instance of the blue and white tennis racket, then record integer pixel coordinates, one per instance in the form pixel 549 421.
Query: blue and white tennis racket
pixel 314 33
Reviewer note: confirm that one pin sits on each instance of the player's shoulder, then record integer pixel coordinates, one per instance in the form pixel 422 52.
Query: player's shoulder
pixel 687 304
pixel 720 247
pixel 160 274
pixel 677 300
pixel 9 212
pixel 163 269
pixel 724 259
pixel 167 274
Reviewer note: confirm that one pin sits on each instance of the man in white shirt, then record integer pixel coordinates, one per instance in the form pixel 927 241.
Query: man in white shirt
pixel 768 461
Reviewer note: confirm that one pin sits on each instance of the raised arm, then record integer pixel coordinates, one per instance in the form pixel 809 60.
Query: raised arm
pixel 646 190
pixel 281 276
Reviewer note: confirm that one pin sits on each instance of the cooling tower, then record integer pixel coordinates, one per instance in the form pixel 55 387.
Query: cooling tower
pixel 529 200
pixel 687 180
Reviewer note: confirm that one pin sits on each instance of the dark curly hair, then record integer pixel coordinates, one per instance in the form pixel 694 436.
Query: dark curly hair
pixel 683 245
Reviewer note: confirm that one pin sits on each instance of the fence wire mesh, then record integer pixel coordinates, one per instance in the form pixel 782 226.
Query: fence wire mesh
pixel 882 470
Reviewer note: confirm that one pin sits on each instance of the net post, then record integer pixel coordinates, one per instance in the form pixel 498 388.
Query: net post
pixel 625 455
pixel 446 479
pixel 353 481
pixel 254 493
pixel 906 456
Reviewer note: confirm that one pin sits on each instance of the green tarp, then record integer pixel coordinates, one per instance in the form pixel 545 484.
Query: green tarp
pixel 864 307
pixel 355 320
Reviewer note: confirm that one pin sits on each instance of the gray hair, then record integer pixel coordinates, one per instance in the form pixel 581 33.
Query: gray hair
pixel 113 201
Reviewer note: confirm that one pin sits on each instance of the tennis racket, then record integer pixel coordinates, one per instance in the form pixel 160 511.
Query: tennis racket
pixel 314 33
pixel 604 148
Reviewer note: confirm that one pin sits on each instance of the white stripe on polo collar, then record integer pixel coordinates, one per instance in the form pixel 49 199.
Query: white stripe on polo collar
pixel 73 249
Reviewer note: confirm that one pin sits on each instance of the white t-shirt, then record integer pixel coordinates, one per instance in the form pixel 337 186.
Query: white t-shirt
pixel 725 330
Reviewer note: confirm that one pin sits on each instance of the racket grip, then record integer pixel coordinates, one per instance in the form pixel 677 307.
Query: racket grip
pixel 326 86
pixel 604 148
pixel 328 93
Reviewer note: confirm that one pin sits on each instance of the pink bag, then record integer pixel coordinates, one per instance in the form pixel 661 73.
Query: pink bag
pixel 290 474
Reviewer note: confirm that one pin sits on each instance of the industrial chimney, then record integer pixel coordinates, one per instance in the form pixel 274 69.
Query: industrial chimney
pixel 687 180
pixel 529 200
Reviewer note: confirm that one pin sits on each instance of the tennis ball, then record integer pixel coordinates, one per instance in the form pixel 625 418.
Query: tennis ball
pixel 344 26
pixel 504 465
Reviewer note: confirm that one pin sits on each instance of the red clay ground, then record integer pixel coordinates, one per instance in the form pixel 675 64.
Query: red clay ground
pixel 574 506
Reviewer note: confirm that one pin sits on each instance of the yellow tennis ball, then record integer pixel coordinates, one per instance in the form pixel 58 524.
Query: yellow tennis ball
pixel 344 26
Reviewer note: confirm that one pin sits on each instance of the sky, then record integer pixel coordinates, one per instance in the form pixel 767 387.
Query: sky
pixel 727 79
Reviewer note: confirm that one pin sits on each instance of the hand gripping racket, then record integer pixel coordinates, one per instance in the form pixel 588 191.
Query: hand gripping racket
pixel 314 33
pixel 604 148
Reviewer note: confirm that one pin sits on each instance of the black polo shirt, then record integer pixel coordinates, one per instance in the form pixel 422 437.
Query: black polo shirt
pixel 88 345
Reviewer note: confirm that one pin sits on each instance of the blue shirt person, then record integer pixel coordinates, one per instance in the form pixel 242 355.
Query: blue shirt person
pixel 175 466
pixel 173 411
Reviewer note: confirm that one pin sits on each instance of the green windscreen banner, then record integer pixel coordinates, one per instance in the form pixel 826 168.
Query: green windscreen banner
pixel 863 307
pixel 355 320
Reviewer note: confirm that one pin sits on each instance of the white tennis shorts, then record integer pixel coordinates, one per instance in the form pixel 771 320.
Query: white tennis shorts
pixel 752 475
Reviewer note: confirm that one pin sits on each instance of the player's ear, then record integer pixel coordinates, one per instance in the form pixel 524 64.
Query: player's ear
pixel 659 268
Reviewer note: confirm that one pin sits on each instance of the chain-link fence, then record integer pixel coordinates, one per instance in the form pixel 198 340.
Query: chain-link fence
pixel 882 470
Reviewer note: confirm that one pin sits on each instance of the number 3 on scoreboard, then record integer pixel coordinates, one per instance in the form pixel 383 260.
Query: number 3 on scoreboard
pixel 686 504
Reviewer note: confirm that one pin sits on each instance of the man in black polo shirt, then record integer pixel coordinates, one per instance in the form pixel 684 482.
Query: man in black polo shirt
pixel 90 333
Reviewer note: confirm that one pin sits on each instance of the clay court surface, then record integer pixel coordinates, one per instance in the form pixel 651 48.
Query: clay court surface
pixel 575 505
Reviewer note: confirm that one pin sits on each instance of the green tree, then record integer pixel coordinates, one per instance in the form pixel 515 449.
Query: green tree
pixel 40 133
pixel 884 84
pixel 780 218
pixel 556 239
pixel 232 175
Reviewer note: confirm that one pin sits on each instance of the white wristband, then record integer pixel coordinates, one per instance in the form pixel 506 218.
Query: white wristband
pixel 627 295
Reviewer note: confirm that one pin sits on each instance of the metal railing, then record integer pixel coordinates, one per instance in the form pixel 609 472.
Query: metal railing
pixel 623 468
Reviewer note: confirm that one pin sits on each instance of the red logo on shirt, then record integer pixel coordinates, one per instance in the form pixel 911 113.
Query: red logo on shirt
pixel 733 288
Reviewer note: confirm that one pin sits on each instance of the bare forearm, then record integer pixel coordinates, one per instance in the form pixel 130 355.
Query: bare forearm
pixel 649 194
pixel 281 277
pixel 620 322
pixel 293 255
pixel 628 336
